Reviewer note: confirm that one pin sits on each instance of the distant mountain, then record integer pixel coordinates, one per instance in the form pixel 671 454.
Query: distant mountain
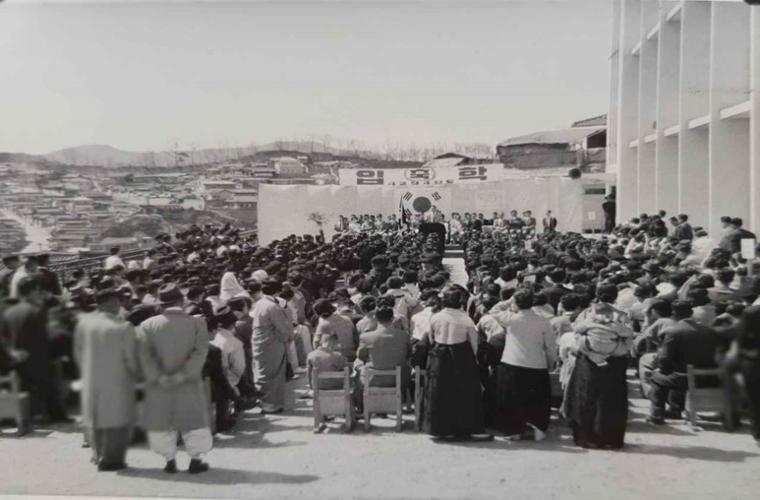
pixel 21 158
pixel 109 156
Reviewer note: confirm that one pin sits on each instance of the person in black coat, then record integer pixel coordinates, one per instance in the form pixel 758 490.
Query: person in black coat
pixel 609 207
pixel 48 279
pixel 25 326
pixel 685 343
pixel 683 229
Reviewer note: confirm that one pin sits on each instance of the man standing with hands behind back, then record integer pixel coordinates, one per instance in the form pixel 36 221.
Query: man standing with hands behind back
pixel 173 347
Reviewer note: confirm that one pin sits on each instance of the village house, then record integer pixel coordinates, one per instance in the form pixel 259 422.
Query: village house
pixel 581 145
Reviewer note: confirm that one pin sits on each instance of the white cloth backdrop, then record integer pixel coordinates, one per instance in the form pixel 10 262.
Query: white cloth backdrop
pixel 285 210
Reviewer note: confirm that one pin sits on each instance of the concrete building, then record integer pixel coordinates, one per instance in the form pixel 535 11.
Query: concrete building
pixel 287 166
pixel 683 129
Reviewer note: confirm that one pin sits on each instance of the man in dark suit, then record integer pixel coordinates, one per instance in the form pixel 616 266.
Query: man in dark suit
pixel 48 280
pixel 722 291
pixel 609 207
pixel 685 343
pixel 683 229
pixel 549 222
pixel 732 240
pixel 25 325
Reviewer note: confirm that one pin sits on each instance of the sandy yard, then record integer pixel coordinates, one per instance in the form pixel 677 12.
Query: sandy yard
pixel 280 457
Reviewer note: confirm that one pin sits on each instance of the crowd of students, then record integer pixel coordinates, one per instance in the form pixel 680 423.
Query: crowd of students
pixel 210 305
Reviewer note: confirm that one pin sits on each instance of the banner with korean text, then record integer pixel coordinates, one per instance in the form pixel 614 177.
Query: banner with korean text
pixel 285 210
pixel 422 176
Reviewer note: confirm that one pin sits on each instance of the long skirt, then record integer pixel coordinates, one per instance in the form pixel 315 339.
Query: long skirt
pixel 523 396
pixel 269 367
pixel 750 369
pixel 452 404
pixel 596 404
pixel 109 445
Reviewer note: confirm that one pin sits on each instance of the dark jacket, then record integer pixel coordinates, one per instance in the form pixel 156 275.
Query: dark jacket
pixel 25 325
pixel 49 281
pixel 554 294
pixel 683 232
pixel 686 343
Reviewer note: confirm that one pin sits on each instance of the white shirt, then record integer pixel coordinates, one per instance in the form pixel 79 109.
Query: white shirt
pixel 702 246
pixel 113 261
pixel 453 326
pixel 489 326
pixel 233 356
pixel 530 341
pixel 404 302
pixel 412 289
pixel 506 284
pixel 421 323
pixel 665 288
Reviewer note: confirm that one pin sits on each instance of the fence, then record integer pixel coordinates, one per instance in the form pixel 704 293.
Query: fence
pixel 63 263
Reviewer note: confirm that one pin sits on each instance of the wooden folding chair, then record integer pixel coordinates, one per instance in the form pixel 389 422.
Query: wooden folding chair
pixel 707 399
pixel 14 403
pixel 382 399
pixel 333 402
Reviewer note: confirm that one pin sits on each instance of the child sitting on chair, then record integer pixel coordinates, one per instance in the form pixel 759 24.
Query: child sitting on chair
pixel 326 358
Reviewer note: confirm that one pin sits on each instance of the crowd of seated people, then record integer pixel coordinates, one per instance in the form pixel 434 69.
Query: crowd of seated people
pixel 537 305
pixel 647 296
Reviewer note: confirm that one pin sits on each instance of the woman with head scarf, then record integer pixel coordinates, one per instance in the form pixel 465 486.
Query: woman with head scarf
pixel 596 399
pixel 230 286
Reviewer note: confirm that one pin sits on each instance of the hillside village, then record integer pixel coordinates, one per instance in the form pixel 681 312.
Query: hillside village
pixel 85 200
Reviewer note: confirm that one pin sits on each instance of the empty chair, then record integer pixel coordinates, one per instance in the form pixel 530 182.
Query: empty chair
pixel 14 403
pixel 329 401
pixel 382 399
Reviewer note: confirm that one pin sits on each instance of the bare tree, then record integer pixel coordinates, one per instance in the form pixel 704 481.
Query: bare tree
pixel 326 142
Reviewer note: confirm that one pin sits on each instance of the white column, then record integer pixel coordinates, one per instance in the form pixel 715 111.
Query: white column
pixel 754 120
pixel 729 138
pixel 647 109
pixel 666 147
pixel 627 111
pixel 694 83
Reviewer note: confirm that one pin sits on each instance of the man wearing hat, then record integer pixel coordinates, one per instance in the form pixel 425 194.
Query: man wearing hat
pixel 105 349
pixel 25 324
pixel 173 347
pixel 271 332
pixel 114 260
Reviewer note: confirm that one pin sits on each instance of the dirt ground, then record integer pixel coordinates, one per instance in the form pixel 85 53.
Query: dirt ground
pixel 280 457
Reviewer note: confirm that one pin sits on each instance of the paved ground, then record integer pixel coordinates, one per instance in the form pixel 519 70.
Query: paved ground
pixel 279 457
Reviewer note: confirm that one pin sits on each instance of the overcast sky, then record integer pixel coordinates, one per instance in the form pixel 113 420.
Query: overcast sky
pixel 137 75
